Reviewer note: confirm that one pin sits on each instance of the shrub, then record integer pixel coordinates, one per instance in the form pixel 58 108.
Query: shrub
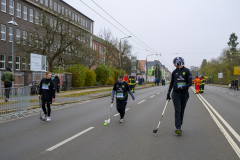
pixel 102 74
pixel 78 75
pixel 111 81
pixel 90 77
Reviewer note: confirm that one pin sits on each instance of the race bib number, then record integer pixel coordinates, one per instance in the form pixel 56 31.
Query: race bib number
pixel 120 95
pixel 181 84
pixel 44 86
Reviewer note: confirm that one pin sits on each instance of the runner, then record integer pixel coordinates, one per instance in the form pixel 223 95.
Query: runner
pixel 47 94
pixel 180 83
pixel 121 88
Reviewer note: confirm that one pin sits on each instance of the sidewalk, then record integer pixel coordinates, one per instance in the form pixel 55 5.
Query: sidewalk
pixel 218 85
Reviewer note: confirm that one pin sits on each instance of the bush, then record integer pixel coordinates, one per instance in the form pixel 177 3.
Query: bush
pixel 102 74
pixel 111 81
pixel 78 75
pixel 90 77
pixel 97 83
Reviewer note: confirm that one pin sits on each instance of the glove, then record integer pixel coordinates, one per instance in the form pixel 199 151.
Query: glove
pixel 168 96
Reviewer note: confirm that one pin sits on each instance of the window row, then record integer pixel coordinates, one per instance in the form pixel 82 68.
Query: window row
pixel 10 62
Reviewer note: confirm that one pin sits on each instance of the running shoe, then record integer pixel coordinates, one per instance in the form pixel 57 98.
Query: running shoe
pixel 44 117
pixel 121 121
pixel 48 119
pixel 178 131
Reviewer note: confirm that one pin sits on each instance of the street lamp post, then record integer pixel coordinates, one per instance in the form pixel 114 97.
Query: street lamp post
pixel 147 67
pixel 13 24
pixel 120 54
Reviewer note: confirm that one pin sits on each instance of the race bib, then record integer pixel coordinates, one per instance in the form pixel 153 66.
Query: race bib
pixel 181 84
pixel 44 86
pixel 119 94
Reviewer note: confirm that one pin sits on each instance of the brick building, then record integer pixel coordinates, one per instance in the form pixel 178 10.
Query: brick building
pixel 26 13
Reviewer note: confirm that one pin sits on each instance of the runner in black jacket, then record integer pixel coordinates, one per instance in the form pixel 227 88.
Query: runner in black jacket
pixel 47 91
pixel 180 82
pixel 121 88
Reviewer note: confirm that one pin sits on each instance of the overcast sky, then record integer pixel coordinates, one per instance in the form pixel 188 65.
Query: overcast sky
pixel 195 29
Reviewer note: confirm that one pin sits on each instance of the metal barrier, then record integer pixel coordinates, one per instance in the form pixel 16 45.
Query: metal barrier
pixel 14 101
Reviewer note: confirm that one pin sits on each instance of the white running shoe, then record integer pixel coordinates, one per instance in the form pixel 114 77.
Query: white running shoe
pixel 48 119
pixel 44 117
pixel 121 121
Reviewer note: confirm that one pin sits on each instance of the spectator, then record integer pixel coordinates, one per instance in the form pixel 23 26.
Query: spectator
pixel 155 81
pixel 236 84
pixel 56 81
pixel 7 78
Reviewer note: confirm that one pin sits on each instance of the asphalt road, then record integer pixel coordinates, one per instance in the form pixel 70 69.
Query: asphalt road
pixel 210 130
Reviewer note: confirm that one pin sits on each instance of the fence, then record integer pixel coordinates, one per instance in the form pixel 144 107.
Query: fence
pixel 14 101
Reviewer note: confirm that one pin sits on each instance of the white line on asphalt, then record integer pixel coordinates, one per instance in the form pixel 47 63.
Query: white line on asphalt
pixel 223 121
pixel 69 139
pixel 152 96
pixel 158 93
pixel 141 101
pixel 231 94
pixel 118 113
pixel 163 91
pixel 225 133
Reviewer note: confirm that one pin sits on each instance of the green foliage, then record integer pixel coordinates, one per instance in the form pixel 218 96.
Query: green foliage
pixel 90 77
pixel 102 74
pixel 58 70
pixel 111 81
pixel 78 75
pixel 97 83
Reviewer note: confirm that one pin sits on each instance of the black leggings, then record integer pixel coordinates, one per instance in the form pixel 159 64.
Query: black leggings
pixel 57 89
pixel 121 106
pixel 48 108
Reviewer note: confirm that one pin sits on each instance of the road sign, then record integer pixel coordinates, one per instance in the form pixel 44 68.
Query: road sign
pixel 236 70
pixel 206 77
pixel 220 75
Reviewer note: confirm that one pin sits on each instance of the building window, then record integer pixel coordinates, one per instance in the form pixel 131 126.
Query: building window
pixel 17 63
pixel 41 1
pixel 24 63
pixel 36 17
pixel 63 10
pixel 55 6
pixel 30 39
pixel 10 62
pixel 41 42
pixel 69 14
pixel 18 10
pixel 25 13
pixel 18 35
pixel 24 37
pixel 10 34
pixel 11 7
pixel 51 4
pixel 3 5
pixel 31 16
pixel 2 61
pixel 91 28
pixel 81 21
pixel 46 3
pixel 36 41
pixel 3 32
pixel 73 16
pixel 59 8
pixel 66 12
pixel 86 24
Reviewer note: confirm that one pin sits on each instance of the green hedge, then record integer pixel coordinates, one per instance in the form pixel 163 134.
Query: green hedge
pixel 78 75
pixel 90 77
pixel 102 74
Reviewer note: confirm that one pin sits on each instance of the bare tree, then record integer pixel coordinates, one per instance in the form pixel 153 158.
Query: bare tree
pixel 58 39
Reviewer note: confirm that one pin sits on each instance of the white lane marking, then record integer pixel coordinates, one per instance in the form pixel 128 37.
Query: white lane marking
pixel 225 133
pixel 158 93
pixel 163 91
pixel 141 101
pixel 152 96
pixel 118 113
pixel 231 94
pixel 69 139
pixel 223 121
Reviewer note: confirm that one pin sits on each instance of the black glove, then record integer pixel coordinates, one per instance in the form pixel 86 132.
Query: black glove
pixel 168 96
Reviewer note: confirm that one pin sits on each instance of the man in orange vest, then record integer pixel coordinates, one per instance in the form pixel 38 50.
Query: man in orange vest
pixel 197 82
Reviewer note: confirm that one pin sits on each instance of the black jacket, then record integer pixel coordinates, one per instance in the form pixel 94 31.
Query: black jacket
pixel 56 81
pixel 47 90
pixel 181 78
pixel 121 88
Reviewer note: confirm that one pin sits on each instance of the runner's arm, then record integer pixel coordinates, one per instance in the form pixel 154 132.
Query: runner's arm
pixel 171 84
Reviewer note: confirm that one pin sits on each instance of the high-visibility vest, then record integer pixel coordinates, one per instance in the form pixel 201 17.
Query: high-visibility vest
pixel 197 81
